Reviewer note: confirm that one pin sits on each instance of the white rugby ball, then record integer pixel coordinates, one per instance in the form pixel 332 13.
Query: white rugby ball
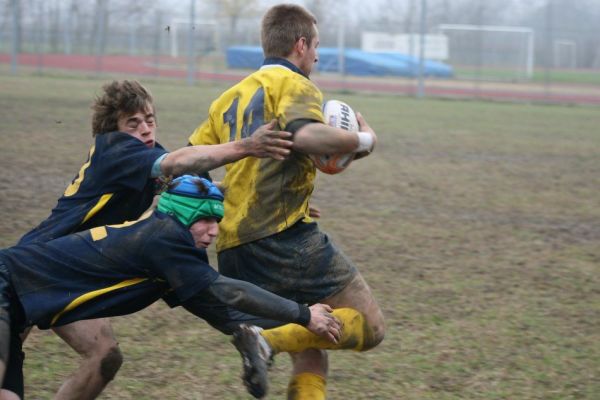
pixel 339 115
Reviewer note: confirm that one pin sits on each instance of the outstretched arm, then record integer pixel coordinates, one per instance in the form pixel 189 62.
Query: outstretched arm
pixel 249 298
pixel 264 142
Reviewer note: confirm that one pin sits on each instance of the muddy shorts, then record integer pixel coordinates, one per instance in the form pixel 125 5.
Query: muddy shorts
pixel 13 378
pixel 300 263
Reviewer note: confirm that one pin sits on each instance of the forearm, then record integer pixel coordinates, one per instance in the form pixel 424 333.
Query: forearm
pixel 223 317
pixel 318 138
pixel 249 298
pixel 200 159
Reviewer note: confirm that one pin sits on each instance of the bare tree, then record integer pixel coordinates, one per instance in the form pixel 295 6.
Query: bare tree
pixel 55 26
pixel 395 17
pixel 81 21
pixel 234 10
pixel 14 14
pixel 319 10
pixel 409 16
pixel 99 24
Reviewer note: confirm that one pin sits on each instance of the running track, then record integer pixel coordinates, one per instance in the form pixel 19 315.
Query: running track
pixel 140 65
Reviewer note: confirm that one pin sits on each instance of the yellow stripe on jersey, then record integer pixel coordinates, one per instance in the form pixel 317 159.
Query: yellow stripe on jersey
pixel 91 295
pixel 103 200
pixel 262 196
pixel 100 232
pixel 74 186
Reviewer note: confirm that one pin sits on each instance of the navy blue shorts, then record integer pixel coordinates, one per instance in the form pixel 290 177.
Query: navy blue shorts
pixel 13 378
pixel 300 263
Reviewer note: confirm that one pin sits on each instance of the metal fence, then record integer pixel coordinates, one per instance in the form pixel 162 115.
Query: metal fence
pixel 547 60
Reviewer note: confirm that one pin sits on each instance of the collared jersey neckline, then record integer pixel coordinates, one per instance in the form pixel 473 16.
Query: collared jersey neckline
pixel 272 61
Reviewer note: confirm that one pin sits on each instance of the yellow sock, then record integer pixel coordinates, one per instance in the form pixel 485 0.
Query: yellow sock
pixel 293 338
pixel 306 386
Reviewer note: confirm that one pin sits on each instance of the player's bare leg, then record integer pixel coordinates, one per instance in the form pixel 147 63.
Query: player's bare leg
pixel 310 366
pixel 309 375
pixel 95 342
pixel 4 346
pixel 357 295
pixel 8 395
pixel 4 339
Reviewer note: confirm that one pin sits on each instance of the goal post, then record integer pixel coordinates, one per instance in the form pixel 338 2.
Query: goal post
pixel 565 53
pixel 503 48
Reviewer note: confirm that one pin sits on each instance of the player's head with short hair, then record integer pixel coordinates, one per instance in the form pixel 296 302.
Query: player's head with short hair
pixel 118 99
pixel 190 198
pixel 283 25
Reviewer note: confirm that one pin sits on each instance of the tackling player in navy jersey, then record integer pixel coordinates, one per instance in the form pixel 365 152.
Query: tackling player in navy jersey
pixel 117 183
pixel 120 269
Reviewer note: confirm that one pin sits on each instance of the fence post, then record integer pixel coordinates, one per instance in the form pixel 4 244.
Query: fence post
pixel 191 67
pixel 68 18
pixel 423 32
pixel 341 45
pixel 100 35
pixel 158 41
pixel 41 37
pixel 15 37
pixel 549 51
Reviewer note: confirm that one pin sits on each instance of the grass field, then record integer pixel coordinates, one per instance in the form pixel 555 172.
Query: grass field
pixel 476 224
pixel 553 76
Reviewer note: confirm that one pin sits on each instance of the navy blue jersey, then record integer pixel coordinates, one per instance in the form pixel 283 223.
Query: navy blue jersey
pixel 114 185
pixel 107 271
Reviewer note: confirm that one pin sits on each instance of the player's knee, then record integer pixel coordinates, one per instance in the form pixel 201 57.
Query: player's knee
pixel 375 332
pixel 110 364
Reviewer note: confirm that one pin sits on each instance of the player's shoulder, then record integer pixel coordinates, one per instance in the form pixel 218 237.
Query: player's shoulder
pixel 167 227
pixel 280 73
pixel 115 142
pixel 290 84
pixel 115 147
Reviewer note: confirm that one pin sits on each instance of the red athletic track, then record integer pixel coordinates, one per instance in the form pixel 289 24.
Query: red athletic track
pixel 145 65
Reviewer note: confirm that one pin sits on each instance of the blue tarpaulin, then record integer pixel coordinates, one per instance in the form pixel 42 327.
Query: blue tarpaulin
pixel 356 62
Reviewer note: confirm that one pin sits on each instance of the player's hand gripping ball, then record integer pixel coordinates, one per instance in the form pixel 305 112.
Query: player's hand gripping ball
pixel 339 115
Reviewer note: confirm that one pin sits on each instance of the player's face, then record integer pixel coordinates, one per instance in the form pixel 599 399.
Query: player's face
pixel 310 56
pixel 204 231
pixel 141 125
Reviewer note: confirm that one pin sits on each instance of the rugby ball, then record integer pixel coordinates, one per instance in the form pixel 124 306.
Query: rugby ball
pixel 339 115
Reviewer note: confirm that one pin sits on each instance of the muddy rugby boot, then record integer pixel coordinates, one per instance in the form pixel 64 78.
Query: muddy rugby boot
pixel 256 356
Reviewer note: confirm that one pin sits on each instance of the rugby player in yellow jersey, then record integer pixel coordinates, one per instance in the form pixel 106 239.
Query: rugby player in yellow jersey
pixel 267 235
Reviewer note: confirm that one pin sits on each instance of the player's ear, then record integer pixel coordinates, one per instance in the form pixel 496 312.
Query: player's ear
pixel 299 46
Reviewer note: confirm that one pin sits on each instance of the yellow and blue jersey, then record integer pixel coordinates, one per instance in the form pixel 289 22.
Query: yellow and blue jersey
pixel 112 186
pixel 107 271
pixel 262 196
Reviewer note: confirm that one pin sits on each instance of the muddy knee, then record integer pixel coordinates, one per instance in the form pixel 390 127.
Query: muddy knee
pixel 375 332
pixel 373 340
pixel 110 363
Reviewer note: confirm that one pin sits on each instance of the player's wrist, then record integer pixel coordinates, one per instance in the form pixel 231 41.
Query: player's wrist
pixel 365 142
pixel 304 315
pixel 247 147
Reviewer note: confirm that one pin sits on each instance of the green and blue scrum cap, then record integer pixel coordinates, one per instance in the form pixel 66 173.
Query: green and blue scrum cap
pixel 190 198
